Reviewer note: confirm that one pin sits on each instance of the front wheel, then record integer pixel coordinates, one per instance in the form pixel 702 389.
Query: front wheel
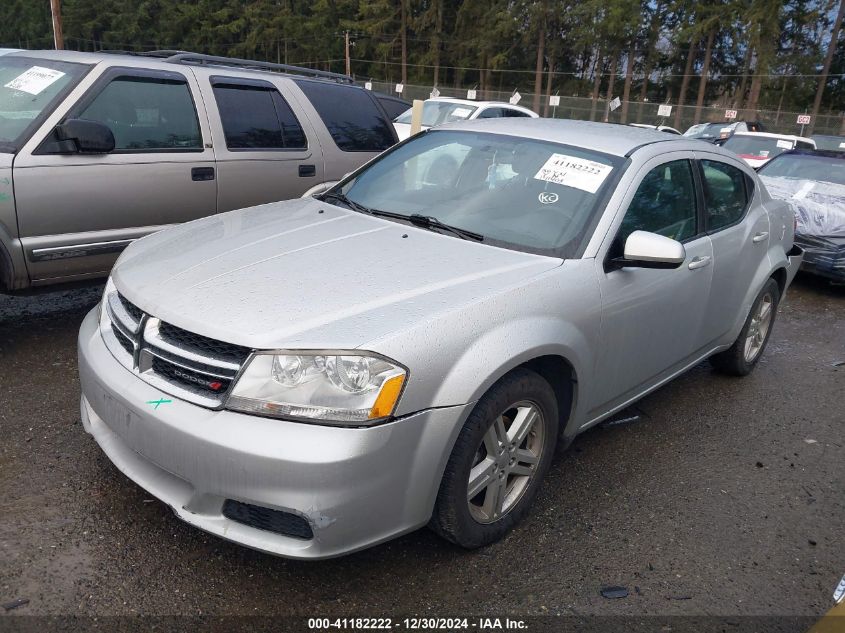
pixel 741 358
pixel 498 462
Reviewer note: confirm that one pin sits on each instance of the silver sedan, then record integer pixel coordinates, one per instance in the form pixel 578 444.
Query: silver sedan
pixel 316 376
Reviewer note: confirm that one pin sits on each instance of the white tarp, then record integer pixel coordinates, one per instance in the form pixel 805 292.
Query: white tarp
pixel 819 206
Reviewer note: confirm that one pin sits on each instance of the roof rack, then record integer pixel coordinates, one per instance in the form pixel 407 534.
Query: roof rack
pixel 183 57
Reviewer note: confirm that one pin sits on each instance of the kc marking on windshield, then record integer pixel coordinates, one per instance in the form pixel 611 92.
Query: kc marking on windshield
pixel 547 197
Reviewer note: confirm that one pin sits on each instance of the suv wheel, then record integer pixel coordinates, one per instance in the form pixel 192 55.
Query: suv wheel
pixel 499 460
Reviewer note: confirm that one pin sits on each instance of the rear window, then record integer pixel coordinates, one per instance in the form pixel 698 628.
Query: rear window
pixel 355 122
pixel 807 167
pixel 757 147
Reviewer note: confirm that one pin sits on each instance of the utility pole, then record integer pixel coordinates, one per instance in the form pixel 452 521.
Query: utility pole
pixel 348 61
pixel 56 10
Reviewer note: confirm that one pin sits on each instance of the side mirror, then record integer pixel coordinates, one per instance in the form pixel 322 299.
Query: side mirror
pixel 80 136
pixel 650 250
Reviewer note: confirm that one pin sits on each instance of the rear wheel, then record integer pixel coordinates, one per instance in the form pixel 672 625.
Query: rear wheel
pixel 498 461
pixel 741 358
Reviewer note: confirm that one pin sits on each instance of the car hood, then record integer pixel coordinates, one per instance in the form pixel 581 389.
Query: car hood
pixel 308 274
pixel 819 206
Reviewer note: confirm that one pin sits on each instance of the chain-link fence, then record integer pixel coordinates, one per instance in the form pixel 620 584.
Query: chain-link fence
pixel 587 109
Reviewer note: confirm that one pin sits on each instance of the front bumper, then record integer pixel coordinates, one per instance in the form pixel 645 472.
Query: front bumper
pixel 355 487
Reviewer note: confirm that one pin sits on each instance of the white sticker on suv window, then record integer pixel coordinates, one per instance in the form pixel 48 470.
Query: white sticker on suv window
pixel 785 144
pixel 571 171
pixel 764 153
pixel 35 80
pixel 462 112
pixel 842 145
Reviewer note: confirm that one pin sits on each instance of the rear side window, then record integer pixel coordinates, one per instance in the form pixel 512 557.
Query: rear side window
pixel 257 117
pixel 352 117
pixel 516 113
pixel 724 192
pixel 147 114
pixel 490 113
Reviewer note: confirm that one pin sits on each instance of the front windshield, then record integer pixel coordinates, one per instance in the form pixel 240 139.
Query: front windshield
pixel 713 130
pixel 28 88
pixel 759 147
pixel 807 167
pixel 437 112
pixel 528 195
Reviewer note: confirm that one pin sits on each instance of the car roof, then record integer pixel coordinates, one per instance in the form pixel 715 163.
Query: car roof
pixel 608 138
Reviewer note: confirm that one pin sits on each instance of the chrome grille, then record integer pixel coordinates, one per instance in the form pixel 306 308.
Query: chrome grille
pixel 190 366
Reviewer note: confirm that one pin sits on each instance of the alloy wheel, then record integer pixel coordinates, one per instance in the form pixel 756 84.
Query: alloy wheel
pixel 761 321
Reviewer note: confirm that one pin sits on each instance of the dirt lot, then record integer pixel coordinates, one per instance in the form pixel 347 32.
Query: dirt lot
pixel 728 497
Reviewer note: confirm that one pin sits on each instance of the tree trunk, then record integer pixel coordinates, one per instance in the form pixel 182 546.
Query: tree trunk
pixel 438 28
pixel 626 91
pixel 596 84
pixel 705 71
pixel 610 82
pixel 538 69
pixel 548 86
pixel 831 49
pixel 644 88
pixel 739 98
pixel 682 95
pixel 404 37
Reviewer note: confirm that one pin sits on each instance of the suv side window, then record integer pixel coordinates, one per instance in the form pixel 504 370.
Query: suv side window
pixel 257 117
pixel 147 114
pixel 724 194
pixel 351 115
pixel 664 203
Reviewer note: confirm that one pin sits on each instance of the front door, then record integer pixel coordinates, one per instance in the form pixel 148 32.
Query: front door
pixel 651 318
pixel 76 212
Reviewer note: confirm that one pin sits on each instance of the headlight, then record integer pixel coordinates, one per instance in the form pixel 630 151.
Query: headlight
pixel 334 387
pixel 104 299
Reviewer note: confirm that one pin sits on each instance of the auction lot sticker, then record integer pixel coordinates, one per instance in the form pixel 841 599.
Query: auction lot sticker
pixel 571 171
pixel 35 80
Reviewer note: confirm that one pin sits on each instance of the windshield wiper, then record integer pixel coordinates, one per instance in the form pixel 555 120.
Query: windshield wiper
pixel 417 219
pixel 430 222
pixel 333 195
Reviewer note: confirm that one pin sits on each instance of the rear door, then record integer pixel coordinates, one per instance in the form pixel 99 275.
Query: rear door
pixel 354 126
pixel 265 146
pixel 739 230
pixel 77 212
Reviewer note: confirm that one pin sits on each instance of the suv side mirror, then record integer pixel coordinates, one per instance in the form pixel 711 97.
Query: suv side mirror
pixel 80 136
pixel 650 250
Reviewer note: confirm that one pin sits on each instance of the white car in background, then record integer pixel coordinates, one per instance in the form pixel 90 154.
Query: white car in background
pixel 758 148
pixel 439 110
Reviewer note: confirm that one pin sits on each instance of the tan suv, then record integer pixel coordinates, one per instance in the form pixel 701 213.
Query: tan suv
pixel 100 149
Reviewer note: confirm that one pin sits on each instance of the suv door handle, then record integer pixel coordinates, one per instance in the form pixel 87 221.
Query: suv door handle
pixel 699 262
pixel 759 237
pixel 202 173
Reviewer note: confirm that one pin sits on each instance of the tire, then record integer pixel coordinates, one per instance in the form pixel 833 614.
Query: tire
pixel 740 359
pixel 520 396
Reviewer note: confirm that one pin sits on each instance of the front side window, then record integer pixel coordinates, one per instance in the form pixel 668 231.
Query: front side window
pixel 147 114
pixel 528 195
pixel 724 194
pixel 353 119
pixel 257 117
pixel 664 203
pixel 29 90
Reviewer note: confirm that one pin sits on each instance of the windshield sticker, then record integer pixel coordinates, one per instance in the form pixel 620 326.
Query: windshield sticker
pixel 842 145
pixel 547 197
pixel 764 153
pixel 785 144
pixel 462 112
pixel 35 80
pixel 570 171
pixel 725 130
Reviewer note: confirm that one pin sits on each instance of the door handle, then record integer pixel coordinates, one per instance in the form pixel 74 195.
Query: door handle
pixel 200 174
pixel 759 237
pixel 306 171
pixel 699 262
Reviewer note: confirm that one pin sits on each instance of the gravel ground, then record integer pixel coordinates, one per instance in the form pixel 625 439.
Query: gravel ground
pixel 726 498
